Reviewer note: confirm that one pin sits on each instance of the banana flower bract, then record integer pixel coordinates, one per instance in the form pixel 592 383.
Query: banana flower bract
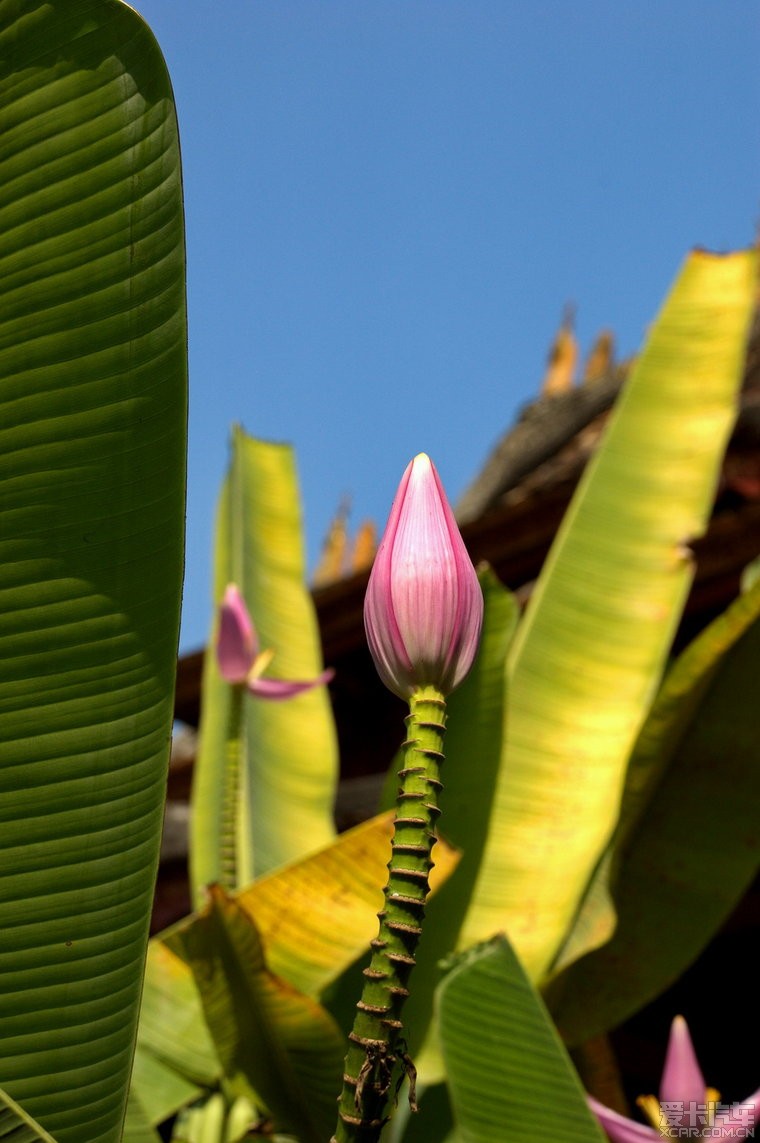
pixel 424 608
pixel 240 660
pixel 686 1109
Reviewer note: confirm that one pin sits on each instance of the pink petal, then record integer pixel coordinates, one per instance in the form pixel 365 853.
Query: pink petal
pixel 739 1120
pixel 278 689
pixel 384 638
pixel 236 644
pixel 620 1129
pixel 469 613
pixel 682 1078
pixel 423 586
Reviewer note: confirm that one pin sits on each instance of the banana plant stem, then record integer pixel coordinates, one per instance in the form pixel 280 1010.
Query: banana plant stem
pixel 228 842
pixel 376 1048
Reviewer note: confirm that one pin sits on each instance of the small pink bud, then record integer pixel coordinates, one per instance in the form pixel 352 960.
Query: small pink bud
pixel 239 659
pixel 424 607
pixel 237 645
pixel 682 1077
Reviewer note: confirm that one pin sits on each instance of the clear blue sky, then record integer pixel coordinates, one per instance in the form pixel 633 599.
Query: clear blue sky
pixel 389 202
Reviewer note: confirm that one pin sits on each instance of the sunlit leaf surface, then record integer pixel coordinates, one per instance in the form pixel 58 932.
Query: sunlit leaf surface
pixel 589 654
pixel 92 441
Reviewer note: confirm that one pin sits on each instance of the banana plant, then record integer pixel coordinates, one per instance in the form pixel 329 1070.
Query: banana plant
pixel 589 656
pixel 509 1075
pixel 643 566
pixel 577 682
pixel 264 782
pixel 249 969
pixel 15 1124
pixel 220 1021
pixel 673 870
pixel 613 602
pixel 568 756
pixel 285 939
pixel 92 486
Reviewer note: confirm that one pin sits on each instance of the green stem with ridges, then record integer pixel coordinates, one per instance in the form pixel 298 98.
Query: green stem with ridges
pixel 375 1044
pixel 228 841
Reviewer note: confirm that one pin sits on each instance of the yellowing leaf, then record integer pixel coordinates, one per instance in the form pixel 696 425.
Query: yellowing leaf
pixel 317 915
pixel 590 651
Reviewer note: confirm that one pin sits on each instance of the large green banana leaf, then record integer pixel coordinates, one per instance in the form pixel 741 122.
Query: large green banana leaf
pixel 686 848
pixel 509 1076
pixel 676 712
pixel 589 654
pixel 277 1046
pixel 92 442
pixel 16 1126
pixel 137 1125
pixel 175 1059
pixel 158 1089
pixel 266 771
pixel 171 1028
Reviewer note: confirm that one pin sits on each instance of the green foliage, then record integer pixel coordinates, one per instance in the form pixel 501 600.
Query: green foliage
pixel 214 1120
pixel 541 738
pixel 276 1046
pixel 175 1059
pixel 508 1073
pixel 18 1127
pixel 93 412
pixel 686 844
pixel 265 774
pixel 137 1127
pixel 303 924
pixel 589 654
pixel 473 748
pixel 605 816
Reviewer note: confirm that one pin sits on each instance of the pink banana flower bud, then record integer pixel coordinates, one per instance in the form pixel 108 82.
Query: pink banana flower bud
pixel 424 608
pixel 239 658
pixel 686 1107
